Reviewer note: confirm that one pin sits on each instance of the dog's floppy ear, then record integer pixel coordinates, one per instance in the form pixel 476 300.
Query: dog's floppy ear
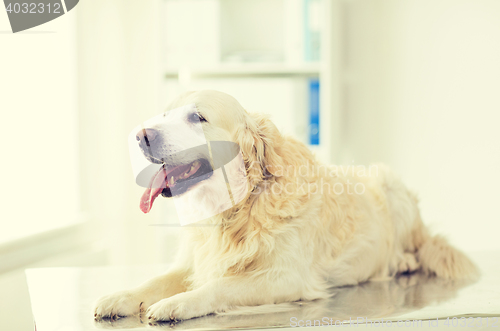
pixel 260 143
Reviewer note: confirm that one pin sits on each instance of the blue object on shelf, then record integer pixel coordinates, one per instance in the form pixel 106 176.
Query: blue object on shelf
pixel 314 111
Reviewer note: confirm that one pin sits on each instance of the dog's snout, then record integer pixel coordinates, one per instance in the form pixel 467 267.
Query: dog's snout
pixel 147 136
pixel 150 143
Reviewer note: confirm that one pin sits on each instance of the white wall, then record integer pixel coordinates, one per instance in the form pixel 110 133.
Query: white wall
pixel 38 116
pixel 423 83
pixel 119 79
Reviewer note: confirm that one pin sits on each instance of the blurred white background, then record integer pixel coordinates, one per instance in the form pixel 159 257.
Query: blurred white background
pixel 411 83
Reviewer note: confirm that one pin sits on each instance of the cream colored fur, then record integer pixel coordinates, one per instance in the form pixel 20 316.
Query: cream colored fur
pixel 291 244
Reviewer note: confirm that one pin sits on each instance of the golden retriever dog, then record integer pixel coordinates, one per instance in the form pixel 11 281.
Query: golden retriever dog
pixel 301 228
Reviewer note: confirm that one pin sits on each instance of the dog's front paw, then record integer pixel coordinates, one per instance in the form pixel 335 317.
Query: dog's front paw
pixel 119 304
pixel 176 308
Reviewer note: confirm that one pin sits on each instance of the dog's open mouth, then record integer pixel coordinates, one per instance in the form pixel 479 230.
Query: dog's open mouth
pixel 174 180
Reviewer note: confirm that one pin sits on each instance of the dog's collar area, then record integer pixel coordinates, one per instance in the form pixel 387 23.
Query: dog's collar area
pixel 266 174
pixel 264 178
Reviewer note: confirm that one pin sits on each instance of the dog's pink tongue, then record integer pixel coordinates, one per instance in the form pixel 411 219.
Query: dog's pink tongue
pixel 157 184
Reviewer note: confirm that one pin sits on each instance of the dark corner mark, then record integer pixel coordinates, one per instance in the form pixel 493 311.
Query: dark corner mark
pixel 27 14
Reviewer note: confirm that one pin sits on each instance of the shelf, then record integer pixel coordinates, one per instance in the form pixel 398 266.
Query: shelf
pixel 248 70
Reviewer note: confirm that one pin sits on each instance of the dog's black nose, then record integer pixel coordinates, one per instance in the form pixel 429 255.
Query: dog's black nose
pixel 146 135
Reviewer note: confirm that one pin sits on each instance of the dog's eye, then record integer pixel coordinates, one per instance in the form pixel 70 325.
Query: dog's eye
pixel 195 117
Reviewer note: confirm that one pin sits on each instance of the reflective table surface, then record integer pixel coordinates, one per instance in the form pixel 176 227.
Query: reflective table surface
pixel 62 299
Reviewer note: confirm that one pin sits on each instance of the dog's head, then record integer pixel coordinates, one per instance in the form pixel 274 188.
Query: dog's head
pixel 178 140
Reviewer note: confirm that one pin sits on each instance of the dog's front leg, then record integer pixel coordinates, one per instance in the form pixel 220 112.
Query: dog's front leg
pixel 215 296
pixel 133 301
